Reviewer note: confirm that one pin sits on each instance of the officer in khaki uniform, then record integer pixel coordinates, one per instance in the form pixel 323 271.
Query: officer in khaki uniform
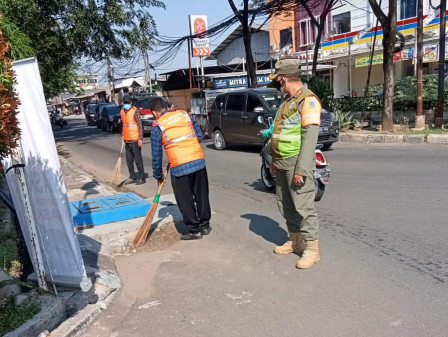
pixel 293 145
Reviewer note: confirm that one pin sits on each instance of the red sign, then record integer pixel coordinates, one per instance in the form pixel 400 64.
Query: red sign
pixel 397 57
pixel 200 27
pixel 201 51
pixel 201 43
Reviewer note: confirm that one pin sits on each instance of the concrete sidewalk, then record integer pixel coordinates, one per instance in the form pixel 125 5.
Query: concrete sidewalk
pixel 71 312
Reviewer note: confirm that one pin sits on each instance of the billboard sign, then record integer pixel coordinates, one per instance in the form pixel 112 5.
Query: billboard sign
pixel 201 44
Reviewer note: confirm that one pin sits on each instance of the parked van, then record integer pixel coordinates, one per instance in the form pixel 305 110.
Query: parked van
pixel 233 118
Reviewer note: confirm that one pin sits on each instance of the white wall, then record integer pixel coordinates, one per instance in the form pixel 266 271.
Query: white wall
pixel 359 77
pixel 234 52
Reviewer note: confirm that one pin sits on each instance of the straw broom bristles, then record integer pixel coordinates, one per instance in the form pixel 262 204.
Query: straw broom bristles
pixel 142 234
pixel 117 168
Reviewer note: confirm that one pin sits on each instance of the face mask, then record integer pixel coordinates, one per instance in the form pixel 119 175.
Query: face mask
pixel 277 85
pixel 127 106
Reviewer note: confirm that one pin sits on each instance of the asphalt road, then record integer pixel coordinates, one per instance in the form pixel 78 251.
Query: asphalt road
pixel 384 249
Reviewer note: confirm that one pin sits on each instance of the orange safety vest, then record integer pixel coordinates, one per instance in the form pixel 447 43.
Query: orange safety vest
pixel 178 137
pixel 130 126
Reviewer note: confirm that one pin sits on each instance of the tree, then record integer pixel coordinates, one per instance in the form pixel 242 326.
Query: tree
pixel 246 23
pixel 389 27
pixel 63 31
pixel 419 116
pixel 326 7
pixel 438 118
pixel 9 130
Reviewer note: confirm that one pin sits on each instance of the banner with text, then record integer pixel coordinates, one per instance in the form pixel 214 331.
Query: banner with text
pixel 237 82
pixel 377 59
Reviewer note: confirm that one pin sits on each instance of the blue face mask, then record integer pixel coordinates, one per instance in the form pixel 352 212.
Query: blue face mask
pixel 127 106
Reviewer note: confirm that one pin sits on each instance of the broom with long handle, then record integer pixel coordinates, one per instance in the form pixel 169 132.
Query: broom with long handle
pixel 117 168
pixel 142 234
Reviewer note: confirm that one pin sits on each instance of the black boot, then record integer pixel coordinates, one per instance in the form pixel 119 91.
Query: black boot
pixel 206 230
pixel 191 236
pixel 129 181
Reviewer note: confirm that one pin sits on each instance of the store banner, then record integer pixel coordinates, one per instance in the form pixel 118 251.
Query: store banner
pixel 430 53
pixel 237 82
pixel 45 188
pixel 365 60
pixel 377 59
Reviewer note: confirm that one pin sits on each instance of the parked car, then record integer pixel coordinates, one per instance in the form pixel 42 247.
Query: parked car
pixel 111 118
pixel 328 130
pixel 99 109
pixel 233 118
pixel 146 113
pixel 90 113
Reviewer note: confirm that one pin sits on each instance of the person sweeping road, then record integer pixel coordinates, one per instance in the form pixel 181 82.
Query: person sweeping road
pixel 133 139
pixel 294 138
pixel 180 135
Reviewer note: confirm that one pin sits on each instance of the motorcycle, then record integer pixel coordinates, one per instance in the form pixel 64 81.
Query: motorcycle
pixel 58 119
pixel 321 175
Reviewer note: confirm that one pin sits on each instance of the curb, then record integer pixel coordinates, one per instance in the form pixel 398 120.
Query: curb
pixel 438 139
pixel 367 138
pixel 76 325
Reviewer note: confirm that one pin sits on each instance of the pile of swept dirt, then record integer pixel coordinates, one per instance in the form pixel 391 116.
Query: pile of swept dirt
pixel 161 238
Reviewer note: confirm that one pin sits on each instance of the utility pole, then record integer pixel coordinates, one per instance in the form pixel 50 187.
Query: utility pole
pixel 419 117
pixel 189 64
pixel 441 90
pixel 202 71
pixel 110 79
pixel 147 70
pixel 350 68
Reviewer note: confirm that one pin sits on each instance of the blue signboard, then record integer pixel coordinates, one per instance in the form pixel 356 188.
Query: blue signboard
pixel 237 82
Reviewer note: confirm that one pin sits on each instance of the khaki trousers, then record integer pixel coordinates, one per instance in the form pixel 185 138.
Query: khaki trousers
pixel 296 204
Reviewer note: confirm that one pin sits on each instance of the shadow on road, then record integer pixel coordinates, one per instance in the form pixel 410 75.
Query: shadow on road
pixel 267 228
pixel 258 185
pixel 165 210
pixel 239 148
pixel 77 131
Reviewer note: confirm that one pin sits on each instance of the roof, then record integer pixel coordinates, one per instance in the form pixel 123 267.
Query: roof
pixel 129 82
pixel 238 32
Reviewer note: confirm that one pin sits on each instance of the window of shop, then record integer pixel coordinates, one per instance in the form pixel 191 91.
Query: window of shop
pixel 304 40
pixel 408 9
pixel 341 23
pixel 308 31
pixel 285 37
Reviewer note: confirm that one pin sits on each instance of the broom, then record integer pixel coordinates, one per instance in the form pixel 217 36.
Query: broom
pixel 117 169
pixel 142 234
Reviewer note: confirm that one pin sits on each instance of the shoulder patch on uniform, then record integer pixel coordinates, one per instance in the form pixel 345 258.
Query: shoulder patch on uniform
pixel 312 104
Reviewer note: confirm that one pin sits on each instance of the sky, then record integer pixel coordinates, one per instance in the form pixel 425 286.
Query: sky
pixel 173 22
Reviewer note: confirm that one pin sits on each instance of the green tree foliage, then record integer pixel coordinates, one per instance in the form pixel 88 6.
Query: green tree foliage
pixel 62 31
pixel 9 131
pixel 405 97
pixel 19 43
pixel 321 88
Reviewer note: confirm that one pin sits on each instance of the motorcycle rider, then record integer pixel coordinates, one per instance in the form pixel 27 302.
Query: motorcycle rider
pixel 294 137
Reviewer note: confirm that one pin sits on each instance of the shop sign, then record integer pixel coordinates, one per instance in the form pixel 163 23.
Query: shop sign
pixel 377 59
pixel 237 82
